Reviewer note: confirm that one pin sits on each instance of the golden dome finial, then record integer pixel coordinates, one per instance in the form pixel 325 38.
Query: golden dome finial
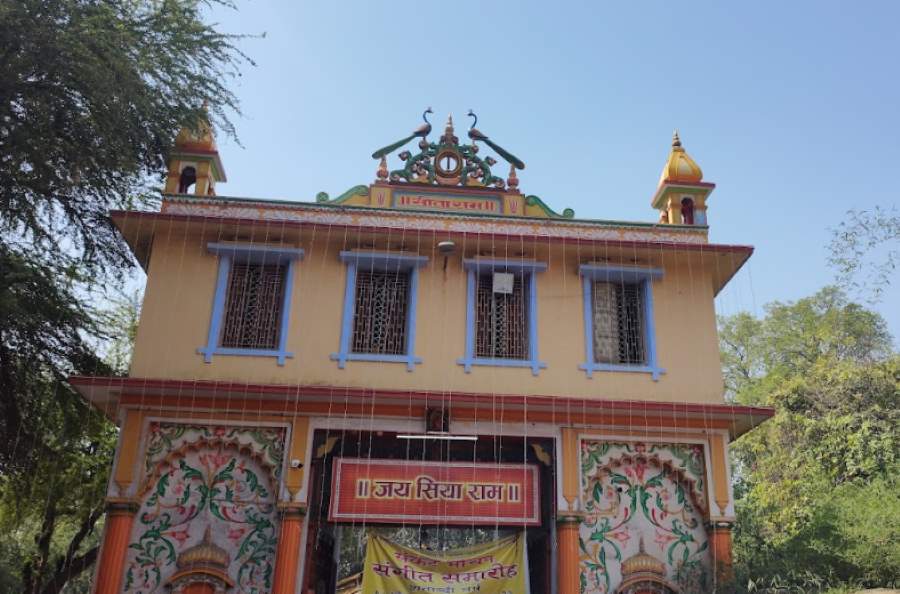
pixel 199 138
pixel 204 563
pixel 643 564
pixel 680 167
pixel 206 553
pixel 449 128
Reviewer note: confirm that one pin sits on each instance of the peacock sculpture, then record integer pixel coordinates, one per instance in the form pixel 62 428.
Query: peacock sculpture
pixel 421 132
pixel 475 134
pixel 424 167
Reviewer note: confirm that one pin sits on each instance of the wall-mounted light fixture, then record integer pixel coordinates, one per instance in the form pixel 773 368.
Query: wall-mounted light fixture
pixel 446 249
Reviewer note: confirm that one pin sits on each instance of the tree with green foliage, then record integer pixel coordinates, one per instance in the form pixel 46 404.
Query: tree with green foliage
pixel 92 93
pixel 865 251
pixel 56 449
pixel 817 485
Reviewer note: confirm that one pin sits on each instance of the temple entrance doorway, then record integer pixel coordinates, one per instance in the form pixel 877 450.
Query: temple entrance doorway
pixel 336 549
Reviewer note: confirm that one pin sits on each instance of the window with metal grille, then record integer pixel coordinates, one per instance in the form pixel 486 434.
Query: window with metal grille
pixel 382 303
pixel 500 320
pixel 253 306
pixel 618 323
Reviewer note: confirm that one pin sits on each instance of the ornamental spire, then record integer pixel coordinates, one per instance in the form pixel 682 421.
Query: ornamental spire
pixel 194 163
pixel 681 192
pixel 449 136
pixel 680 167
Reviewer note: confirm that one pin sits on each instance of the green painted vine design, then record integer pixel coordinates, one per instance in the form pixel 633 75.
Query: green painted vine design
pixel 220 483
pixel 687 457
pixel 642 495
pixel 165 438
pixel 421 165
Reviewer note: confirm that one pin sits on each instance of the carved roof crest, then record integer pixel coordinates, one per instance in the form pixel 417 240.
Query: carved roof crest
pixel 447 162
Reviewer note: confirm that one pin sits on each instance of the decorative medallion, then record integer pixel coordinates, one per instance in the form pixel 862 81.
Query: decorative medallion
pixel 448 166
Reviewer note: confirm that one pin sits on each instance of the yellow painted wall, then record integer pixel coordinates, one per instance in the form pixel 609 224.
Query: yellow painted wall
pixel 182 275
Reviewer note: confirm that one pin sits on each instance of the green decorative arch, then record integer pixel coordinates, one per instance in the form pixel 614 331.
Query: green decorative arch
pixel 323 198
pixel 533 200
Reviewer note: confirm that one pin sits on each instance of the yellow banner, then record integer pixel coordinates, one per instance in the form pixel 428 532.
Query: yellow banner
pixel 499 567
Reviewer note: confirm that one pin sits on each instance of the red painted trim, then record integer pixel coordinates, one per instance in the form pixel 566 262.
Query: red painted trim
pixel 697 247
pixel 631 406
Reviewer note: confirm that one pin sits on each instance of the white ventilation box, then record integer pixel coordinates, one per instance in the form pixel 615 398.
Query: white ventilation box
pixel 503 283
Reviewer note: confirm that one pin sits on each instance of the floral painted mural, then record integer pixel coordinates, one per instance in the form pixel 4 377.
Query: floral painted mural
pixel 199 476
pixel 644 505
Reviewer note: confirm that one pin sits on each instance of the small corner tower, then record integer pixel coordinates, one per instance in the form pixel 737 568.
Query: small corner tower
pixel 681 194
pixel 194 163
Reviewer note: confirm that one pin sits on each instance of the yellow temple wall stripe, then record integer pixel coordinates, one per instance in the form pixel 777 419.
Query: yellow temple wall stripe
pixel 128 450
pixel 570 462
pixel 299 433
pixel 719 472
pixel 181 284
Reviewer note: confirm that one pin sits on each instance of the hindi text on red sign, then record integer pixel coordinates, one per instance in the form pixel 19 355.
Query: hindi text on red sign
pixel 397 491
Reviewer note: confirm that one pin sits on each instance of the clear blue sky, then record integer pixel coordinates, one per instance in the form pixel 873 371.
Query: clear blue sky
pixel 791 108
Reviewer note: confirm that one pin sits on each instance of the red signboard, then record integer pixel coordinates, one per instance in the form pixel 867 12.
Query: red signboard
pixel 412 491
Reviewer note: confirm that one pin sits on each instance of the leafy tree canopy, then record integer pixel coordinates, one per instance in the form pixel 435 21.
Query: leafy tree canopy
pixel 830 456
pixel 91 95
pixel 758 355
pixel 54 449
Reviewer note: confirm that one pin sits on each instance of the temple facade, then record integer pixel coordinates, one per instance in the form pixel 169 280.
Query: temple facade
pixel 436 358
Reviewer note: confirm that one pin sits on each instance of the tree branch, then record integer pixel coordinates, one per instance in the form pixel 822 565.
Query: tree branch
pixel 34 567
pixel 86 527
pixel 71 564
pixel 74 568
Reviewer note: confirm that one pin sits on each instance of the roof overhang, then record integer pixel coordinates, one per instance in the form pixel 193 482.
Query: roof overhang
pixel 108 394
pixel 638 241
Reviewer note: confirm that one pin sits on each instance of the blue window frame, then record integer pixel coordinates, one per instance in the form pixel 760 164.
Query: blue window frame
pixel 361 261
pixel 621 275
pixel 229 255
pixel 526 268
